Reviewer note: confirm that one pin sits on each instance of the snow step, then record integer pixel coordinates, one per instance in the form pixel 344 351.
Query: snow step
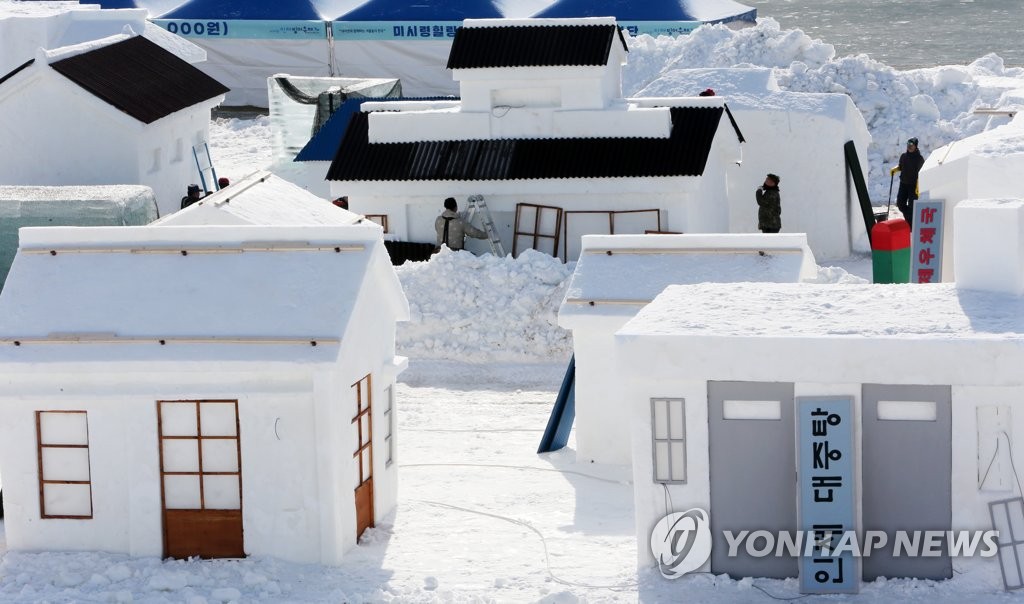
pixel 477 204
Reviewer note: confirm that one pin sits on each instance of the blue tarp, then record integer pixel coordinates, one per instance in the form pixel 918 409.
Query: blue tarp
pixel 418 10
pixel 324 146
pixel 116 3
pixel 264 10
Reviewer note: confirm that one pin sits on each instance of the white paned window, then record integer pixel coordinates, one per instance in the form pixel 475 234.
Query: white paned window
pixel 389 426
pixel 668 433
pixel 65 482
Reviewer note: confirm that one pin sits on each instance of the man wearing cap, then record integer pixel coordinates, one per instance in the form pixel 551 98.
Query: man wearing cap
pixel 909 167
pixel 452 230
pixel 194 195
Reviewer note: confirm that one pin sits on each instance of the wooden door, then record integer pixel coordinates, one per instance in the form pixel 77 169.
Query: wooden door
pixel 364 456
pixel 200 478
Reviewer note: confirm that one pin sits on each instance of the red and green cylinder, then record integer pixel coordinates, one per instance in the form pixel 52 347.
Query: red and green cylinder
pixel 890 251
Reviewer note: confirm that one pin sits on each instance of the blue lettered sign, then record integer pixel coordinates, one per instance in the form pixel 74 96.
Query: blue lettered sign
pixel 408 31
pixel 926 260
pixel 245 29
pixel 825 468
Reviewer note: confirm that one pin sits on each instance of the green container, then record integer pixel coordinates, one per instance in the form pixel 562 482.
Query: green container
pixel 891 266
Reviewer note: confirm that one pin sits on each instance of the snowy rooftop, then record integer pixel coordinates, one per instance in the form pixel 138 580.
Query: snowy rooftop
pixel 13 8
pixel 264 199
pixel 998 142
pixel 615 270
pixel 785 310
pixel 249 282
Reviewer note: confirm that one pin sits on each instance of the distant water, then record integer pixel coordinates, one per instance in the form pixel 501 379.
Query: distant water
pixel 908 33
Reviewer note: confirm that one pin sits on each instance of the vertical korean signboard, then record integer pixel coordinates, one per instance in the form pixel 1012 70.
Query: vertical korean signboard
pixel 825 474
pixel 927 242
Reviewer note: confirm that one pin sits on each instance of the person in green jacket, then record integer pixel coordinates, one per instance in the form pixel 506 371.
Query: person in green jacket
pixel 769 212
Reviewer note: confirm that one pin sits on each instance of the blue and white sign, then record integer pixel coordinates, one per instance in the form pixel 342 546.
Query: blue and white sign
pixel 409 31
pixel 659 28
pixel 825 471
pixel 245 29
pixel 926 257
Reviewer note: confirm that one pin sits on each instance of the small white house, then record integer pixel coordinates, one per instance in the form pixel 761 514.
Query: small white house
pixel 121 110
pixel 798 135
pixel 975 167
pixel 214 391
pixel 262 198
pixel 719 380
pixel 617 275
pixel 543 133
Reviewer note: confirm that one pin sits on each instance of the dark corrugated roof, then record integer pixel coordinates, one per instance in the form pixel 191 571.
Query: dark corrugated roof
pixel 140 78
pixel 684 153
pixel 532 46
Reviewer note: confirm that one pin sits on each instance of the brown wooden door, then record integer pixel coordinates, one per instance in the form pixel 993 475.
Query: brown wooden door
pixel 200 479
pixel 364 457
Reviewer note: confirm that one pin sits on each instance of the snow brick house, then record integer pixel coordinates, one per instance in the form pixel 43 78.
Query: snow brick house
pixel 121 110
pixel 543 134
pixel 213 391
pixel 617 275
pixel 975 167
pixel 861 407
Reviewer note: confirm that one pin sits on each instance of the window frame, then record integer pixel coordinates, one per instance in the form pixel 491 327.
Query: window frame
pixel 40 446
pixel 669 440
pixel 389 426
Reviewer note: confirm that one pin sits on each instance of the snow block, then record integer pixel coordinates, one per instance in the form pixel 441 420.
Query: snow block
pixel 988 245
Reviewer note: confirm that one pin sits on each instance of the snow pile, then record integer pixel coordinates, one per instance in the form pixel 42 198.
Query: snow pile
pixel 934 104
pixel 240 146
pixel 483 309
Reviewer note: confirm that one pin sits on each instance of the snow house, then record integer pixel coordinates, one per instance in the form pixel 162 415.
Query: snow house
pixel 212 391
pixel 543 133
pixel 123 99
pixel 728 384
pixel 972 168
pixel 617 275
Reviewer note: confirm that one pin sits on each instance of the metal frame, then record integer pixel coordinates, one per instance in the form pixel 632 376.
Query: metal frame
pixel 611 222
pixel 538 210
pixel 1014 540
pixel 668 440
pixel 40 445
pixel 389 423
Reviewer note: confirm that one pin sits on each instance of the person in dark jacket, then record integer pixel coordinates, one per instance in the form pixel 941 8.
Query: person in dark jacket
pixel 194 195
pixel 909 168
pixel 769 201
pixel 452 230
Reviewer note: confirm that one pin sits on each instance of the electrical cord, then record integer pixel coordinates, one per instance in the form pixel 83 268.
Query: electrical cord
pixel 544 542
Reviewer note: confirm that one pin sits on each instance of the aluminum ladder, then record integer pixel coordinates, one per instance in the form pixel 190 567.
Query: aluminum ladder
pixel 476 203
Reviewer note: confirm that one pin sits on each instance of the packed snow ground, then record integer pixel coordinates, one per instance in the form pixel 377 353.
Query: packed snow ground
pixel 480 516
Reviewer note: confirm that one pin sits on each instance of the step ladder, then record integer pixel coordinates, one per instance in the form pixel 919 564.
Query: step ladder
pixel 477 204
pixel 204 163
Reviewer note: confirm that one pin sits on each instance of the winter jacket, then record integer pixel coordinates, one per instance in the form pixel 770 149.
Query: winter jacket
pixel 769 212
pixel 458 230
pixel 910 166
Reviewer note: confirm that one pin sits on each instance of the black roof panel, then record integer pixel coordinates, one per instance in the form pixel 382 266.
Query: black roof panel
pixel 532 46
pixel 140 78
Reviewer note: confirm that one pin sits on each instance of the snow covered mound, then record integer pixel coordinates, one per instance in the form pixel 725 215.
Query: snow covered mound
pixel 483 309
pixel 935 104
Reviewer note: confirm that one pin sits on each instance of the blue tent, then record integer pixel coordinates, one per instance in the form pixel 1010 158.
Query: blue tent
pixel 654 16
pixel 418 10
pixel 265 10
pixel 118 4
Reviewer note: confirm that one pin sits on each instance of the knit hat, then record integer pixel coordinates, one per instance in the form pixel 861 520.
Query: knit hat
pixel 450 204
pixel 774 177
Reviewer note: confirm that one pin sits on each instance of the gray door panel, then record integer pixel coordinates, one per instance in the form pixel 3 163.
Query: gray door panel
pixel 906 473
pixel 753 476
